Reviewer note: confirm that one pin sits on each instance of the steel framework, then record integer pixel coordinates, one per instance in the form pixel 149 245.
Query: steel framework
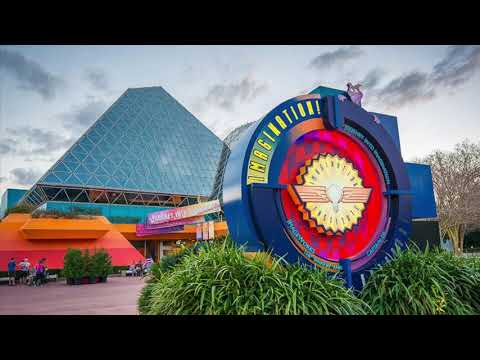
pixel 42 193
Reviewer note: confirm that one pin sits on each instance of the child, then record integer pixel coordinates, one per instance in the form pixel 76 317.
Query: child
pixel 31 277
pixel 24 270
pixel 131 270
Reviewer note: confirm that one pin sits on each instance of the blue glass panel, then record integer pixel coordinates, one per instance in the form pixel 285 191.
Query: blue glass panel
pixel 86 143
pixel 81 169
pixel 71 165
pixel 101 171
pixel 130 185
pixel 70 159
pixel 94 181
pixel 84 177
pixel 108 166
pixel 166 148
pixel 99 157
pixel 100 127
pixel 106 147
pixel 91 167
pixel 72 180
pixel 51 178
pixel 91 160
pixel 62 175
pixel 112 183
pixel 94 135
pixel 78 152
pixel 61 167
pixel 103 179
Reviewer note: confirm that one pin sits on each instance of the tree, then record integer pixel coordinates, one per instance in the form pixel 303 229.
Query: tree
pixel 456 181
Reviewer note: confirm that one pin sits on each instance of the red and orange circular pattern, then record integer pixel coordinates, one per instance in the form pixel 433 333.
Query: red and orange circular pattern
pixel 328 242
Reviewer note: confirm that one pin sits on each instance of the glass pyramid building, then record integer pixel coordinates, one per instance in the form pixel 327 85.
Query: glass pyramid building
pixel 145 150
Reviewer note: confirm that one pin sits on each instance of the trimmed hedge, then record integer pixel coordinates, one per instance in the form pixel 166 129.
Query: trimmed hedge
pixel 78 264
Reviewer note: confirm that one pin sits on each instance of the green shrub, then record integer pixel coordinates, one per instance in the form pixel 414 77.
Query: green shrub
pixel 85 211
pixel 145 298
pixel 52 213
pixel 155 272
pixel 425 283
pixel 96 264
pixel 78 264
pixel 88 266
pixel 102 263
pixel 221 280
pixel 73 264
pixel 72 213
pixel 167 263
pixel 473 262
pixel 124 219
pixel 19 209
pixel 466 278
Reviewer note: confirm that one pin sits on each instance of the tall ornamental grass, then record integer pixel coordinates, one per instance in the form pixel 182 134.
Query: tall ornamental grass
pixel 426 282
pixel 220 280
pixel 145 298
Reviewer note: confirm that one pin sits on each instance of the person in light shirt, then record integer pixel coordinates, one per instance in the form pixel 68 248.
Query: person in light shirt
pixel 24 270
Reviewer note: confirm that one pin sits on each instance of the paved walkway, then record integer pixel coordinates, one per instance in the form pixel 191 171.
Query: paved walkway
pixel 118 296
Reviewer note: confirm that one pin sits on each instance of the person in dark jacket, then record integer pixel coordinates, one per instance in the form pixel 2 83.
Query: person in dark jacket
pixel 12 267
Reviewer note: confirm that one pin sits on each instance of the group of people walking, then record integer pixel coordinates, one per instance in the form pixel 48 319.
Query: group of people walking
pixel 24 273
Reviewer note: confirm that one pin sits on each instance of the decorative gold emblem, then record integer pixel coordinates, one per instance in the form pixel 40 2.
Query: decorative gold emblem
pixel 330 194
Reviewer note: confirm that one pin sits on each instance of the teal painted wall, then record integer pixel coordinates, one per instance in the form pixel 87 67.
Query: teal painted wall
pixel 108 210
pixel 10 198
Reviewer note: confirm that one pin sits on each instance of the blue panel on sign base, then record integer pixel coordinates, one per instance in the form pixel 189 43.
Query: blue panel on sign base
pixel 391 125
pixel 240 225
pixel 422 187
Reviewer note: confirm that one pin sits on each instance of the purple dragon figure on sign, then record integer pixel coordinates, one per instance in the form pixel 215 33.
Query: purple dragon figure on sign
pixel 355 95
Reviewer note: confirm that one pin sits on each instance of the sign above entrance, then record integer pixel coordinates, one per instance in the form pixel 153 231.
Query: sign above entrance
pixel 172 220
pixel 175 214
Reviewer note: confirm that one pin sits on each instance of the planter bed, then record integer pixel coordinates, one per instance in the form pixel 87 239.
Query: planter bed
pixel 86 281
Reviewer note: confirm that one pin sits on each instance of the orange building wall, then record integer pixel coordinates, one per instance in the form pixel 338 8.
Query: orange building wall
pixel 21 236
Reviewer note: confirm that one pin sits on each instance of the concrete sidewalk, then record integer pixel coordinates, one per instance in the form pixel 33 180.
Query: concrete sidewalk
pixel 118 296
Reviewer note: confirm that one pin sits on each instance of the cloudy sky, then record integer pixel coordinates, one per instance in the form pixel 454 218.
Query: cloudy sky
pixel 50 94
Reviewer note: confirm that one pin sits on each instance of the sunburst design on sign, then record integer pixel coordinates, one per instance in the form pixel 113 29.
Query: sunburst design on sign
pixel 330 194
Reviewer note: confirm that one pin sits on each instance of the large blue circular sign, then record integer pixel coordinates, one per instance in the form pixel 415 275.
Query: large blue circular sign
pixel 319 181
